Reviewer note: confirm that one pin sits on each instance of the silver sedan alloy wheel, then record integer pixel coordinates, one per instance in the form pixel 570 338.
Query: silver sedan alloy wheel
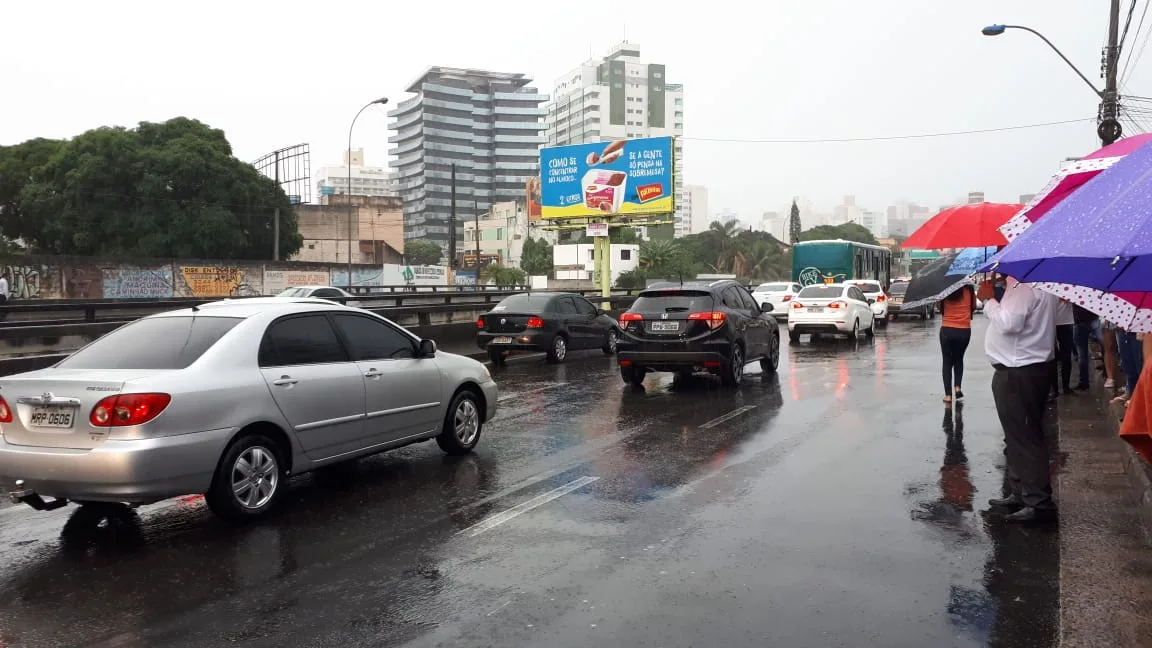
pixel 255 477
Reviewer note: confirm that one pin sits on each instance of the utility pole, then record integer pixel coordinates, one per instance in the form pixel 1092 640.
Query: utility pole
pixel 1109 128
pixel 452 224
pixel 476 211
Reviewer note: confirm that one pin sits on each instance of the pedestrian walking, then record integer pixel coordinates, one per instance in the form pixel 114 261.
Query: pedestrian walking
pixel 1087 327
pixel 1021 343
pixel 1065 340
pixel 1131 352
pixel 955 334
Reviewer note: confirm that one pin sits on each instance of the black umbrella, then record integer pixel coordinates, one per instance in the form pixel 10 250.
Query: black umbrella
pixel 933 283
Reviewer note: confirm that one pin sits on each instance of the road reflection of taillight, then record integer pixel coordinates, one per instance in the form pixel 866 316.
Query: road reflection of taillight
pixel 535 322
pixel 714 319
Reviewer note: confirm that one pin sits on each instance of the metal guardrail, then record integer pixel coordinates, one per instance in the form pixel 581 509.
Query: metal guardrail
pixel 100 317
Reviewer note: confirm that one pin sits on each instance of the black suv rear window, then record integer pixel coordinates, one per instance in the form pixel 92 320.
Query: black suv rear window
pixel 523 304
pixel 674 301
pixel 156 343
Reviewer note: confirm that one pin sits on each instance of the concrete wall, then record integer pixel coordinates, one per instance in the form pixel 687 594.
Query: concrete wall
pixel 47 277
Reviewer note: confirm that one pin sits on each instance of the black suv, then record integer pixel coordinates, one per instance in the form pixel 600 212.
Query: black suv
pixel 713 326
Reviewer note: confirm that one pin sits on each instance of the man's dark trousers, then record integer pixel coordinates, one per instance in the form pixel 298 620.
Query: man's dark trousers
pixel 1021 395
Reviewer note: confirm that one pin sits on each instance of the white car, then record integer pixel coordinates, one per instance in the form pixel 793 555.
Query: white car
pixel 876 297
pixel 830 309
pixel 778 294
pixel 322 292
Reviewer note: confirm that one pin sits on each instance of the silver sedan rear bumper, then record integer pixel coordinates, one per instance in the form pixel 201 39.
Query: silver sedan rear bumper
pixel 136 471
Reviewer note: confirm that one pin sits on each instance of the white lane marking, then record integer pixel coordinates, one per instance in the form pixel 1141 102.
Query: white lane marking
pixel 527 393
pixel 506 604
pixel 727 417
pixel 520 509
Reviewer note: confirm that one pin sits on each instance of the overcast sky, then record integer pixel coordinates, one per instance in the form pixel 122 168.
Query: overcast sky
pixel 273 74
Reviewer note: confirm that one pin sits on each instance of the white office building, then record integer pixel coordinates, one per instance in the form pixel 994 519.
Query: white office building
pixel 577 261
pixel 694 211
pixel 366 180
pixel 615 97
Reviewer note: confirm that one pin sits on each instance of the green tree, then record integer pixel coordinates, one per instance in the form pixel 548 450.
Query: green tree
pixel 848 232
pixel 794 226
pixel 170 189
pixel 422 253
pixel 536 259
pixel 503 276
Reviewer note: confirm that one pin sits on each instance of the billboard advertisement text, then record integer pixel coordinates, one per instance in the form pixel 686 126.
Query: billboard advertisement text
pixel 607 179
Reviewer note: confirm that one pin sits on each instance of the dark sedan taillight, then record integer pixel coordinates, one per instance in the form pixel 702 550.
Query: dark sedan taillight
pixel 535 322
pixel 480 323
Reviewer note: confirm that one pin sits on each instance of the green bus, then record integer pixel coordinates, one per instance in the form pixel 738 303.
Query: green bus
pixel 815 262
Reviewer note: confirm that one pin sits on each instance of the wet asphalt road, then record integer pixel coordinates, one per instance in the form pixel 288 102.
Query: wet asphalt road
pixel 838 504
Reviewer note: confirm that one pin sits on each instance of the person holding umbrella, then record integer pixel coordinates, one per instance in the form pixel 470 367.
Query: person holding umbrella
pixel 955 334
pixel 1021 343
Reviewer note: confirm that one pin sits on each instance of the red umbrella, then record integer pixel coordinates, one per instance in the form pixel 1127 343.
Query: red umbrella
pixel 964 226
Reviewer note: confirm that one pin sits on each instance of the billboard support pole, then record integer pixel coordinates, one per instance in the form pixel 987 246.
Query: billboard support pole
pixel 603 254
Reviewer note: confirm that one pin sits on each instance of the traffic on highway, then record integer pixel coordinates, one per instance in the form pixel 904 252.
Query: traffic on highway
pixel 734 488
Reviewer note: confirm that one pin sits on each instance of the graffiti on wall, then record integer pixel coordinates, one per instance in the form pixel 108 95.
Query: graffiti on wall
pixel 216 281
pixel 137 283
pixel 23 280
pixel 277 281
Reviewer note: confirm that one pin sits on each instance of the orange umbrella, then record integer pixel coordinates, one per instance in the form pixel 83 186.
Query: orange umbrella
pixel 964 226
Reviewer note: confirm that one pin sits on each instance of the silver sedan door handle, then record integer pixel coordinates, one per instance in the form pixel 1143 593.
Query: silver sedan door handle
pixel 284 381
pixel 372 373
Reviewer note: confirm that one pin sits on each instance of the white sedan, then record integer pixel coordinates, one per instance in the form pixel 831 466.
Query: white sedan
pixel 831 309
pixel 778 294
pixel 875 295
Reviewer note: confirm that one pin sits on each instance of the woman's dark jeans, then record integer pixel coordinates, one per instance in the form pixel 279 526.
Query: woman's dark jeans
pixel 953 344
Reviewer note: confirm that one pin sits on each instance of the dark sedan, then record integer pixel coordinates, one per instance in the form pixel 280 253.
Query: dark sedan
pixel 554 323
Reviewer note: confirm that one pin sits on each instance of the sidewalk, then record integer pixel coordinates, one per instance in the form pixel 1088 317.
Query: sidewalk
pixel 1105 553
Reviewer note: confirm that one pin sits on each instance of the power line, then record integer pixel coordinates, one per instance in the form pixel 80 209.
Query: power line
pixel 882 138
pixel 1129 65
pixel 1127 24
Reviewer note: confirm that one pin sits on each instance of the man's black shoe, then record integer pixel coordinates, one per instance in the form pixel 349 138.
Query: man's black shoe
pixel 1030 515
pixel 1012 501
pixel 1082 387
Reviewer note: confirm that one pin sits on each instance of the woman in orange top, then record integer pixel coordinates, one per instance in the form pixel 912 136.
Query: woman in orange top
pixel 955 334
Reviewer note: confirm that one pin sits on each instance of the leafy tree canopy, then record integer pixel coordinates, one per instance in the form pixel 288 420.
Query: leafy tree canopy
pixel 494 273
pixel 849 232
pixel 536 259
pixel 170 189
pixel 422 253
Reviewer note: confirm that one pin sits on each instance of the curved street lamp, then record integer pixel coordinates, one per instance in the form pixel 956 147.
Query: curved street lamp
pixel 996 30
pixel 381 101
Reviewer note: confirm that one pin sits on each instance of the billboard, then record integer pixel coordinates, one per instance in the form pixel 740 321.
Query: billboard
pixel 607 179
pixel 532 198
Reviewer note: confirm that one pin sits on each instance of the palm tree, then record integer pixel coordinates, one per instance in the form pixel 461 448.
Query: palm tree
pixel 656 255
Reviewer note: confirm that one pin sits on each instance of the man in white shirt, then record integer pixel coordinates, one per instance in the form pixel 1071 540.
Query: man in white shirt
pixel 1021 342
pixel 3 290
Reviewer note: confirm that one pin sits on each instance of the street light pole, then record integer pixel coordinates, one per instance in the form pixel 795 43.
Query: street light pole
pixel 1108 129
pixel 348 161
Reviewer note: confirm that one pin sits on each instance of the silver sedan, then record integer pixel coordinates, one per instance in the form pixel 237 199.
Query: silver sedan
pixel 229 399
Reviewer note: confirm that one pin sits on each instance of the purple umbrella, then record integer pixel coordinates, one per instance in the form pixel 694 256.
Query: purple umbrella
pixel 1099 237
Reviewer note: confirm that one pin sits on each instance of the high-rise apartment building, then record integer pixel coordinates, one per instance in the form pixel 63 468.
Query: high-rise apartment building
pixel 366 180
pixel 620 97
pixel 487 125
pixel 694 215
